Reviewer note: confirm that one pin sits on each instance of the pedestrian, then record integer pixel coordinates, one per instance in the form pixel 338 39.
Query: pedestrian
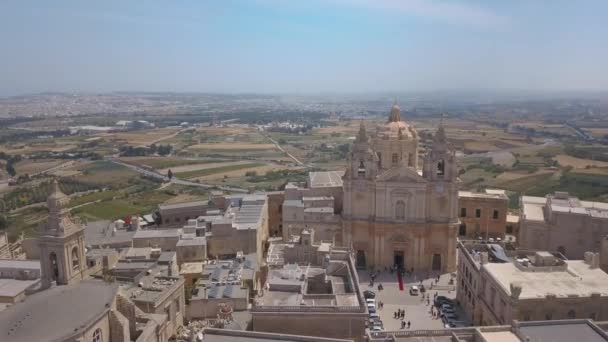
pixel 402 324
pixel 408 324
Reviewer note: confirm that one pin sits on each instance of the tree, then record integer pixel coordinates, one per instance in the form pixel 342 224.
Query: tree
pixel 10 169
pixel 170 174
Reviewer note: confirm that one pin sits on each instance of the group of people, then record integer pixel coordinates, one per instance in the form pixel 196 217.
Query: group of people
pixel 399 314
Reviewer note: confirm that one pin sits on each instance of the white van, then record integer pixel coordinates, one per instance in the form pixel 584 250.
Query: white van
pixel 414 291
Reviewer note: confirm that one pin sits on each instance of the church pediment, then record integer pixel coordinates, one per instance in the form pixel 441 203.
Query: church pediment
pixel 401 174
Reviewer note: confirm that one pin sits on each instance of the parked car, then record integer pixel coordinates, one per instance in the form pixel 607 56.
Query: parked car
pixel 443 300
pixel 374 316
pixel 371 307
pixel 459 324
pixel 376 329
pixel 414 291
pixel 369 294
pixel 371 321
pixel 450 317
pixel 370 301
pixel 448 311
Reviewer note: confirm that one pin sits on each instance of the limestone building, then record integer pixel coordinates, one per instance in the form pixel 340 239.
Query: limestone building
pixel 61 242
pixel 393 214
pixel 179 213
pixel 307 286
pixel 497 285
pixel 560 222
pixel 318 204
pixel 482 214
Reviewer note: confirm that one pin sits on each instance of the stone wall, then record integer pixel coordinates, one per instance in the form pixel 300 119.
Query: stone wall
pixel 119 327
pixel 342 325
pixel 127 309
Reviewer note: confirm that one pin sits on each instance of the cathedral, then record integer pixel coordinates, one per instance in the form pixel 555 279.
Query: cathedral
pixel 395 213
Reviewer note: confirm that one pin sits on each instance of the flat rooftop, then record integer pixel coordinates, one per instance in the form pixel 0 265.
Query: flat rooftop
pixel 500 336
pixel 191 268
pixel 58 313
pixel 13 287
pixel 158 233
pixel 296 285
pixel 578 280
pixel 226 335
pixel 153 288
pixel 20 264
pixel 183 205
pixel 197 241
pixel 488 194
pixel 324 179
pixel 562 332
pixel 561 203
pixel 97 234
pixel 248 216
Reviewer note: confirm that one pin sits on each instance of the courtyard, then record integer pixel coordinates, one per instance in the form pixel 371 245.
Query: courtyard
pixel 417 309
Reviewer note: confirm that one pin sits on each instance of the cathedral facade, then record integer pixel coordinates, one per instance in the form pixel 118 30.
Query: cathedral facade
pixel 394 214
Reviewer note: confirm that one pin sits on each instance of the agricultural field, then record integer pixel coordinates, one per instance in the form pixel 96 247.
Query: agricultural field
pixel 31 167
pixel 578 163
pixel 220 172
pixel 140 203
pixel 106 174
pixel 202 165
pixel 143 137
pixel 158 162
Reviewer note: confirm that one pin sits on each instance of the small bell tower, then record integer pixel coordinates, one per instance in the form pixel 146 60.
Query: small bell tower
pixel 362 161
pixel 440 162
pixel 61 243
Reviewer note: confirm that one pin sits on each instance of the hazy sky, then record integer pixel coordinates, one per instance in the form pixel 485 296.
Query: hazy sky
pixel 302 46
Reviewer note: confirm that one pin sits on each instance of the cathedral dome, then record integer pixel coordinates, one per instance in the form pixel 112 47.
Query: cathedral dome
pixel 395 128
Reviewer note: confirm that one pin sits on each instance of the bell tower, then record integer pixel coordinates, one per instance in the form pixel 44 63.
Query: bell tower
pixel 61 243
pixel 440 161
pixel 362 161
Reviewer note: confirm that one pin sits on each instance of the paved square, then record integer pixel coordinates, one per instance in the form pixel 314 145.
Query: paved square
pixel 417 311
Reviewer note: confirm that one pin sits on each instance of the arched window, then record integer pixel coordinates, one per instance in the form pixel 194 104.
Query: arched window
pixel 361 170
pixel 97 335
pixel 395 159
pixel 571 314
pixel 75 261
pixel 400 210
pixel 54 266
pixel 440 168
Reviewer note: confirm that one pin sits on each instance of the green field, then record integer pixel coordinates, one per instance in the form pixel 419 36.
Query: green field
pixel 142 203
pixel 214 170
pixel 107 174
